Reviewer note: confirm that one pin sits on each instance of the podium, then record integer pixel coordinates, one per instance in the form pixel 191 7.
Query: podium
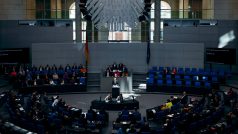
pixel 124 82
pixel 115 91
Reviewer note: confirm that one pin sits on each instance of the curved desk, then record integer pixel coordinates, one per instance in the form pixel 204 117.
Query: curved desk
pixel 114 105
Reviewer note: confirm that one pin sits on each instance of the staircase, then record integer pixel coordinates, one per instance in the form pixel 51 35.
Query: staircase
pixel 139 82
pixel 93 83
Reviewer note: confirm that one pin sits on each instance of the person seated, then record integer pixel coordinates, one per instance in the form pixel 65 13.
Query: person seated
pixel 167 105
pixel 119 98
pixel 108 98
pixel 56 101
pixel 132 129
pixel 125 111
pixel 52 82
pixel 174 99
pixel 174 71
pixel 184 99
pixel 91 111
pixel 55 78
pixel 124 71
pixel 167 126
pixel 136 115
pixel 145 128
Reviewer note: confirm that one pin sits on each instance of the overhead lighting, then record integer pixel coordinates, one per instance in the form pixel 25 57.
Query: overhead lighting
pixel 115 14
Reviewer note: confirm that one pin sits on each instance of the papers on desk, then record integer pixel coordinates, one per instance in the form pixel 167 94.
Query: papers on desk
pixel 115 86
pixel 74 109
pixel 153 110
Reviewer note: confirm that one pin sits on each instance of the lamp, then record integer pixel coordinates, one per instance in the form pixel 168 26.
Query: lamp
pixel 114 14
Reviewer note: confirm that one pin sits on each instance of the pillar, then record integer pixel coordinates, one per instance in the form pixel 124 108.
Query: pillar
pixel 157 21
pixel 78 22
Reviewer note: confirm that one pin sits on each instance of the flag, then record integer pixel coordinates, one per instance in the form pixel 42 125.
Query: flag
pixel 86 52
pixel 148 52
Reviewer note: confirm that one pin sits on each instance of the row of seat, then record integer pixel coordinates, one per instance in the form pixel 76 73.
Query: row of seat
pixel 185 77
pixel 190 71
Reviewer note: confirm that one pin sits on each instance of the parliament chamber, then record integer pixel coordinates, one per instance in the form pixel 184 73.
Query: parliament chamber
pixel 118 66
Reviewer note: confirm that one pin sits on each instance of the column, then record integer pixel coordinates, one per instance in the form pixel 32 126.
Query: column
pixel 89 30
pixel 144 30
pixel 78 22
pixel 157 21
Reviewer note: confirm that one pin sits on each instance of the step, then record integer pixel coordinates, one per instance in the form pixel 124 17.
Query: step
pixel 93 83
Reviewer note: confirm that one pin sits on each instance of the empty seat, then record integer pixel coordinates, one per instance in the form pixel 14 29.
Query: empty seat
pixel 180 71
pixel 160 76
pixel 188 83
pixel 197 84
pixel 214 79
pixel 187 70
pixel 168 76
pixel 207 85
pixel 160 82
pixel 151 75
pixel 169 82
pixel 161 69
pixel 177 77
pixel 194 69
pixel 178 82
pixel 154 68
pixel 150 81
pixel 186 77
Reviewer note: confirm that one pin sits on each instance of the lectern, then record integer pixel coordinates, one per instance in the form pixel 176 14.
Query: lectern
pixel 115 91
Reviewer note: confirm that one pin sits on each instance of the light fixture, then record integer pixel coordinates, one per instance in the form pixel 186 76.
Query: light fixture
pixel 114 14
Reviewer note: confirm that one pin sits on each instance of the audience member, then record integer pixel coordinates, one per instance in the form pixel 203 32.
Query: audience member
pixel 119 98
pixel 184 99
pixel 108 98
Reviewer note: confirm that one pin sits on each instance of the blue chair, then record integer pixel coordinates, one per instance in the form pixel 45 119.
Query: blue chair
pixel 154 68
pixel 213 73
pixel 177 77
pixel 180 71
pixel 207 85
pixel 150 81
pixel 169 82
pixel 178 82
pixel 161 69
pixel 188 83
pixel 168 76
pixel 221 73
pixel 214 79
pixel 82 81
pixel 151 75
pixel 200 71
pixel 187 70
pixel 194 70
pixel 160 76
pixel 186 77
pixel 197 84
pixel 160 82
pixel 169 68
